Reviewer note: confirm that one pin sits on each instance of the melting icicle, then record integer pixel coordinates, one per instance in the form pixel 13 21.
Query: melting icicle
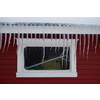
pixel 27 33
pixel 47 33
pixel 63 45
pixel 35 33
pixel 5 39
pixel 80 44
pixel 0 36
pixel 55 39
pixel 18 34
pixel 67 46
pixel 71 38
pixel 96 42
pixel 88 45
pixel 31 33
pixel 9 37
pixel 22 37
pixel 59 35
pixel 92 40
pixel 76 37
pixel 84 43
pixel 51 36
pixel 43 44
pixel 14 36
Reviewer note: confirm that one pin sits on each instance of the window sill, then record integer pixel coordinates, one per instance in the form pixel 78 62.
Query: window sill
pixel 46 74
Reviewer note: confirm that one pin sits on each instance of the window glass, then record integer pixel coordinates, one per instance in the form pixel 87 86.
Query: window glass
pixel 33 58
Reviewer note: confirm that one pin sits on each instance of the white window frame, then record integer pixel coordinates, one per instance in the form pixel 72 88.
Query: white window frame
pixel 22 72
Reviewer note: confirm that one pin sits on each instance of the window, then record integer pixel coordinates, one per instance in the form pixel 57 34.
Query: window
pixel 31 63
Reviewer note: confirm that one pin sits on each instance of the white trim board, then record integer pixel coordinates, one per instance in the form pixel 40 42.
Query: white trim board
pixel 22 72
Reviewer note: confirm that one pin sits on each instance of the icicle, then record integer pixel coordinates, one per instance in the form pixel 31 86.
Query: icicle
pixel 76 37
pixel 71 38
pixel 51 36
pixel 55 39
pixel 84 44
pixel 59 35
pixel 92 40
pixel 9 37
pixel 67 47
pixel 27 32
pixel 0 36
pixel 5 39
pixel 63 45
pixel 47 33
pixel 80 44
pixel 22 38
pixel 43 44
pixel 31 33
pixel 96 42
pixel 35 34
pixel 88 45
pixel 14 36
pixel 18 34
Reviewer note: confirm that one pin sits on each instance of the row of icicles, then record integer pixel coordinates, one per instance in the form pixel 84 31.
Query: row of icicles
pixel 69 36
pixel 45 35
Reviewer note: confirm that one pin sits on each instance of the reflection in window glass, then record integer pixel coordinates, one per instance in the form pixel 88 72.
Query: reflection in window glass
pixel 33 57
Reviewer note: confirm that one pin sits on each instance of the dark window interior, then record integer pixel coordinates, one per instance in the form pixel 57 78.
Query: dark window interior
pixel 34 55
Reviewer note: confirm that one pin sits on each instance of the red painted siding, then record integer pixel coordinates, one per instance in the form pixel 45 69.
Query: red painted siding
pixel 88 70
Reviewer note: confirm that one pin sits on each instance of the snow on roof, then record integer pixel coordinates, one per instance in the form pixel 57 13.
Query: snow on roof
pixel 72 20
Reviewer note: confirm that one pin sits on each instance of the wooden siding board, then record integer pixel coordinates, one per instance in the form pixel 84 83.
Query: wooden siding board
pixel 45 81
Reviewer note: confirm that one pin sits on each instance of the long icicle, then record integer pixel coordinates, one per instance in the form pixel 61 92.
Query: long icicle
pixel 14 35
pixel 80 42
pixel 63 45
pixel 76 37
pixel 59 35
pixel 47 33
pixel 10 34
pixel 5 38
pixel 18 34
pixel 96 42
pixel 88 45
pixel 80 45
pixel 22 37
pixel 84 43
pixel 67 46
pixel 35 33
pixel 43 44
pixel 0 36
pixel 51 36
pixel 55 39
pixel 92 40
pixel 27 33
pixel 32 34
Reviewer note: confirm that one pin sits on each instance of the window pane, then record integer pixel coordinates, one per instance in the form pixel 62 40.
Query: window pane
pixel 33 57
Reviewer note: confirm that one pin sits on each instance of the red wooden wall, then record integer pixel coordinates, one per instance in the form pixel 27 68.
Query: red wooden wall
pixel 88 70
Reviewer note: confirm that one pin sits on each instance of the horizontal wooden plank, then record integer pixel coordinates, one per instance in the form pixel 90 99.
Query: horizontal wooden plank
pixel 80 77
pixel 6 57
pixel 80 72
pixel 9 62
pixel 88 67
pixel 9 72
pixel 49 81
pixel 10 52
pixel 88 72
pixel 90 62
pixel 90 57
pixel 89 53
pixel 7 67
